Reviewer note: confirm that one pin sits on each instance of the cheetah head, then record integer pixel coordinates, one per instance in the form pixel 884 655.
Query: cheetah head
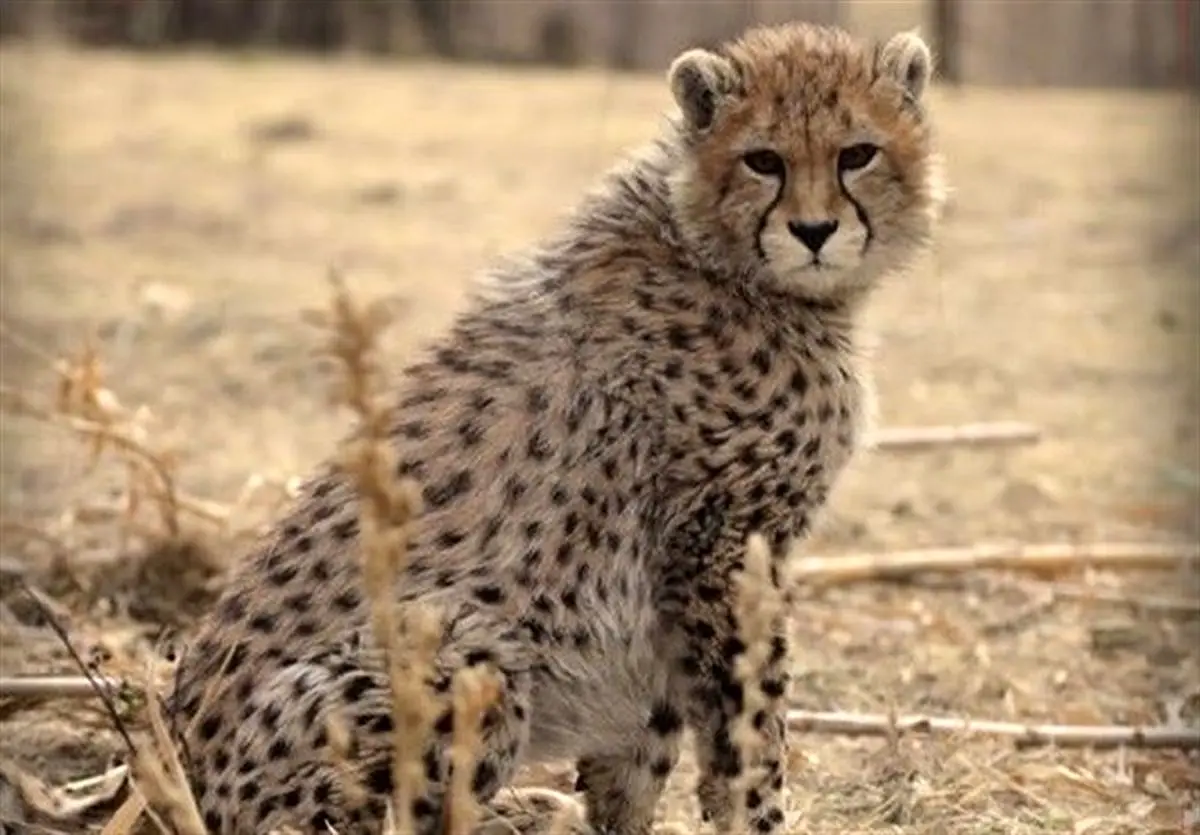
pixel 807 157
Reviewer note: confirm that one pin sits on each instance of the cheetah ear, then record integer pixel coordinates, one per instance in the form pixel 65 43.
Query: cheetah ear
pixel 699 80
pixel 907 59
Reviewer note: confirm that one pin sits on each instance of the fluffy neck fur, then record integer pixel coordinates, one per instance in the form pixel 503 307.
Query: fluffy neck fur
pixel 624 241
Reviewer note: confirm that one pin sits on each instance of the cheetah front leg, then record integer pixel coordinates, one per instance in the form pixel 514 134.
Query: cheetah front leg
pixel 742 763
pixel 623 788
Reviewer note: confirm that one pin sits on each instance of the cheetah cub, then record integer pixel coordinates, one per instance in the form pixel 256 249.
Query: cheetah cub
pixel 595 438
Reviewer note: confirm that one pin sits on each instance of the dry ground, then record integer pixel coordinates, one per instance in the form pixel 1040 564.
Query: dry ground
pixel 185 210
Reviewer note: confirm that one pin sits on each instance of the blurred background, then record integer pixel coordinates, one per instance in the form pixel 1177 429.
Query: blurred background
pixel 177 177
pixel 1079 42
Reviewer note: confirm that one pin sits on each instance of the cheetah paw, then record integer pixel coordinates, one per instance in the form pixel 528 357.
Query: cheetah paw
pixel 533 810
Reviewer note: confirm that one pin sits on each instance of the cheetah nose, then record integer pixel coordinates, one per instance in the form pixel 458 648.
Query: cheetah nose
pixel 813 235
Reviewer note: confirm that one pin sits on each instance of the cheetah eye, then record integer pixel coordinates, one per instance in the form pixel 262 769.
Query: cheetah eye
pixel 856 156
pixel 764 162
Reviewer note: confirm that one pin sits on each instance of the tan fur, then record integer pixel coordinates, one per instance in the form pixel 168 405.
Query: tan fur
pixel 596 436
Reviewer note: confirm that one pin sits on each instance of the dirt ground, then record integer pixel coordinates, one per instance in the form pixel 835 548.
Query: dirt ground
pixel 185 210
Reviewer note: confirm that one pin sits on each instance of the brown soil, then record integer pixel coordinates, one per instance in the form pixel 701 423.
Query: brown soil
pixel 185 211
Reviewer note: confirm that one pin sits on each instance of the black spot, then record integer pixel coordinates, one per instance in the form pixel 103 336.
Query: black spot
pixel 267 808
pixel 470 432
pixel 661 768
pixel 291 798
pixel 410 469
pixel 514 489
pixel 477 656
pixel 538 447
pixel 380 723
pixel 347 601
pixel 678 337
pixel 448 539
pixel 346 530
pixel 536 400
pixel 799 381
pixel 433 766
pixel 558 495
pixel 485 777
pixel 665 719
pixel 532 529
pixel 263 623
pixel 298 602
pixel 414 430
pixel 323 793
pixel 491 529
pixel 248 791
pixel 319 571
pixel 283 576
pixel 445 723
pixel 490 594
pixel 379 779
pixel 778 649
pixel 233 607
pixel 772 688
pixel 357 687
pixel 449 490
pixel 761 360
pixel 209 728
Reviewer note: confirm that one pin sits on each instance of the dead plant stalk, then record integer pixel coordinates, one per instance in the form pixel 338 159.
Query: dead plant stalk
pixel 919 438
pixel 387 506
pixel 1043 558
pixel 1022 735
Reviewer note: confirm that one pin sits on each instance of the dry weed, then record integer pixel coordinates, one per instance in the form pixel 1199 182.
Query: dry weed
pixel 408 640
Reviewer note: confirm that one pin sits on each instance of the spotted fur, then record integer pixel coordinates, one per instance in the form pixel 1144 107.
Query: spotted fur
pixel 596 436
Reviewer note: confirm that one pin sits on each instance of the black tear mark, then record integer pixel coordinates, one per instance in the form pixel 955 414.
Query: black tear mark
pixel 766 215
pixel 860 213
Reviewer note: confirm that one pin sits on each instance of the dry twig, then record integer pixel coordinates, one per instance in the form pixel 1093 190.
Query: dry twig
pixel 56 687
pixel 1043 558
pixel 917 438
pixel 1023 736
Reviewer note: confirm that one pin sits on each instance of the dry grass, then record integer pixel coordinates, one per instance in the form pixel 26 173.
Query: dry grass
pixel 188 235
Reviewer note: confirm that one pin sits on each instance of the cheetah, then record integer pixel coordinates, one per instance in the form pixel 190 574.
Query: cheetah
pixel 676 367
